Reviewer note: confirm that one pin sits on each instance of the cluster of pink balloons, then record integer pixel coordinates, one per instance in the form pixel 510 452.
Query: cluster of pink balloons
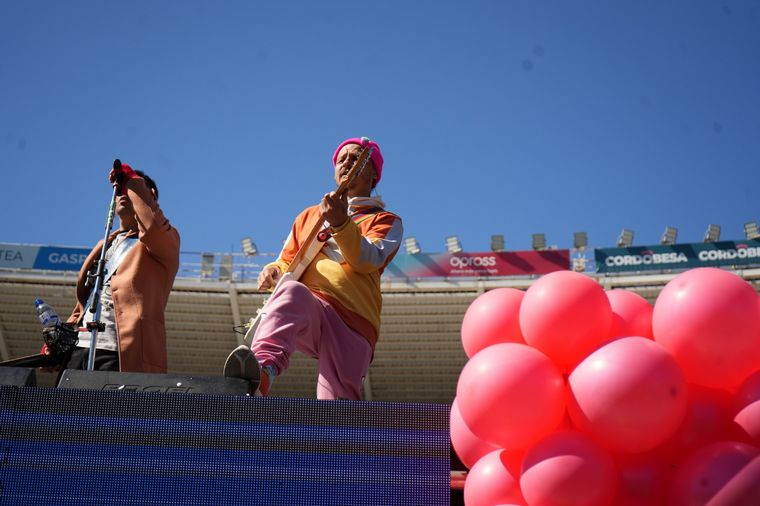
pixel 574 395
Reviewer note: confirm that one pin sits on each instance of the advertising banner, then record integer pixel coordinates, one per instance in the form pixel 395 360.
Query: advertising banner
pixel 444 265
pixel 18 256
pixel 678 256
pixel 56 258
pixel 50 258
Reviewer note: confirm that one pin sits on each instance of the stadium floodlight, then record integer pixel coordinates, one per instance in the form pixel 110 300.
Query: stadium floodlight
pixel 580 240
pixel 497 243
pixel 249 247
pixel 751 231
pixel 411 245
pixel 225 267
pixel 453 245
pixel 712 234
pixel 539 241
pixel 669 236
pixel 207 265
pixel 625 239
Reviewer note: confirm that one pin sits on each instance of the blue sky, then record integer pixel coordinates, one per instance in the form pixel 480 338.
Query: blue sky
pixel 494 117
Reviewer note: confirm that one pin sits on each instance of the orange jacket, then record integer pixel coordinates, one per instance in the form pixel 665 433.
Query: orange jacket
pixel 346 272
pixel 140 286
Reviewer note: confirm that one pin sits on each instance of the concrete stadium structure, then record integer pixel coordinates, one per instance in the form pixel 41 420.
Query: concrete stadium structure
pixel 418 357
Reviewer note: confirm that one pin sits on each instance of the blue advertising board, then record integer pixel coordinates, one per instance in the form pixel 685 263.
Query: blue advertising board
pixel 49 258
pixel 678 256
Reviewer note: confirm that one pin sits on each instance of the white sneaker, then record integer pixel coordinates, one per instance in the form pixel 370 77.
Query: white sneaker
pixel 242 363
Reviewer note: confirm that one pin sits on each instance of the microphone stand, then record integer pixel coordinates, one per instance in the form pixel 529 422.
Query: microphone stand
pixel 96 325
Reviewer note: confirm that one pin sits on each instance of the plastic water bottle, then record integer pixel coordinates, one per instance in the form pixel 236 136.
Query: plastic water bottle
pixel 45 312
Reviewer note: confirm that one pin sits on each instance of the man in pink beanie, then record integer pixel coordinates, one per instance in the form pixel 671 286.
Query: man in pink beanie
pixel 332 311
pixel 363 142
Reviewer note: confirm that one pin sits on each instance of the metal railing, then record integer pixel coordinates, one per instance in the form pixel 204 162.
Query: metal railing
pixel 208 266
pixel 204 266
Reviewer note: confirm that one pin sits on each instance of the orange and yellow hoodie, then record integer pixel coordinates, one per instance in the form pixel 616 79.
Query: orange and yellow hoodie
pixel 346 271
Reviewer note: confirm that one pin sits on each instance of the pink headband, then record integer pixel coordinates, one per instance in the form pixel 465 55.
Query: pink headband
pixel 377 157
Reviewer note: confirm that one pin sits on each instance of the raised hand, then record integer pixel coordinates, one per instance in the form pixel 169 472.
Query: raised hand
pixel 334 208
pixel 268 277
pixel 120 174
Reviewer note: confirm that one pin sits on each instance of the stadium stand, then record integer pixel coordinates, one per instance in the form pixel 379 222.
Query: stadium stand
pixel 418 357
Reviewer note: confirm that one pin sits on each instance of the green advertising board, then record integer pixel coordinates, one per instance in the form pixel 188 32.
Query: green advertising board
pixel 678 256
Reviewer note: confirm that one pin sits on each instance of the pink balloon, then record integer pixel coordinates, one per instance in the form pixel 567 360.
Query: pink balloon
pixel 631 314
pixel 708 319
pixel 511 395
pixel 743 489
pixel 566 315
pixel 708 470
pixel 468 447
pixel 567 468
pixel 748 419
pixel 644 479
pixel 492 318
pixel 494 479
pixel 746 408
pixel 707 420
pixel 630 395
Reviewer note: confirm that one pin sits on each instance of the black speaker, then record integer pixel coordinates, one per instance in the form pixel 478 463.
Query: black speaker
pixel 147 382
pixel 18 376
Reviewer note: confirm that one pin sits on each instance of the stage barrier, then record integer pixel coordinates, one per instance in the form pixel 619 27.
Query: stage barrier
pixel 71 446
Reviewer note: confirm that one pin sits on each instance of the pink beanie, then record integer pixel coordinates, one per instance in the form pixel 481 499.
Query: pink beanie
pixel 377 157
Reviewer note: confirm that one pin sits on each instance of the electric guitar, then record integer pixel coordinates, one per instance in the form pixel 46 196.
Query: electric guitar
pixel 309 247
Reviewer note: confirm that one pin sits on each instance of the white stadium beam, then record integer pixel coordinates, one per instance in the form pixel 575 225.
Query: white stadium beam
pixel 235 306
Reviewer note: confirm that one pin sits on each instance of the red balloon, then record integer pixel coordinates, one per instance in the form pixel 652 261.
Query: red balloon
pixel 567 468
pixel 644 479
pixel 746 408
pixel 708 470
pixel 708 319
pixel 630 395
pixel 631 314
pixel 511 395
pixel 566 315
pixel 494 479
pixel 707 420
pixel 468 447
pixel 492 318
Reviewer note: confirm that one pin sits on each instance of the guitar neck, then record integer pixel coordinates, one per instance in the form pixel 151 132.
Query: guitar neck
pixel 342 188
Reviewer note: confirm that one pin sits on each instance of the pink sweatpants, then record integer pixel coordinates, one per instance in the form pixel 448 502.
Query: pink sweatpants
pixel 296 319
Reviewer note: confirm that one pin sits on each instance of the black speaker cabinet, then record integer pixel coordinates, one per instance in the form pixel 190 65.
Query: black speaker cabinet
pixel 147 382
pixel 18 376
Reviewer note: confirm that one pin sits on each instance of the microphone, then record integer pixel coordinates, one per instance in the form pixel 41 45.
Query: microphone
pixel 117 168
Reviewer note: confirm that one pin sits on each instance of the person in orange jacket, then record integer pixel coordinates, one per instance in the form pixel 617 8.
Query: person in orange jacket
pixel 142 258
